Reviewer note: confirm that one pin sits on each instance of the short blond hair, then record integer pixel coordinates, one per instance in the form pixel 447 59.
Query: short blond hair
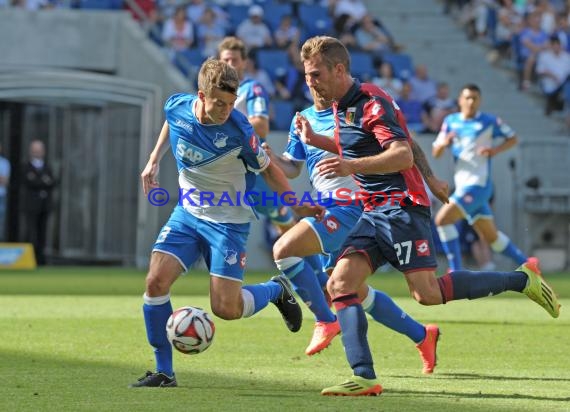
pixel 234 44
pixel 331 50
pixel 216 74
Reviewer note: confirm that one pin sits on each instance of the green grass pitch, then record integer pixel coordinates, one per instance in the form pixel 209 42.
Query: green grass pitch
pixel 72 339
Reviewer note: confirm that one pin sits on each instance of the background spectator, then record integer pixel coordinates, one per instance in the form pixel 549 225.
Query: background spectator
pixel 209 32
pixel 178 32
pixel 553 69
pixel 38 184
pixel 286 34
pixel 253 31
pixel 4 181
pixel 412 109
pixel 438 107
pixel 423 88
pixel 371 38
pixel 533 40
pixel 387 81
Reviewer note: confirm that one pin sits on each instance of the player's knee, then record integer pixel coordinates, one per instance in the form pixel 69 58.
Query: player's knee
pixel 428 298
pixel 156 285
pixel 281 249
pixel 226 312
pixel 337 287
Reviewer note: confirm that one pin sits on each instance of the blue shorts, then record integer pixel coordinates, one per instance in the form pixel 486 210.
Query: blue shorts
pixel 270 205
pixel 223 245
pixel 333 229
pixel 400 236
pixel 474 202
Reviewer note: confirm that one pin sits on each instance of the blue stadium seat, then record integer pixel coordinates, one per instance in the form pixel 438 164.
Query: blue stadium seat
pixel 362 65
pixel 101 4
pixel 274 61
pixel 567 93
pixel 189 61
pixel 236 14
pixel 401 63
pixel 273 13
pixel 315 20
pixel 283 112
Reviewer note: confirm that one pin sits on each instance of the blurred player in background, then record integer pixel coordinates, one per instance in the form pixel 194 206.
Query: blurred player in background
pixel 375 148
pixel 253 102
pixel 470 135
pixel 216 151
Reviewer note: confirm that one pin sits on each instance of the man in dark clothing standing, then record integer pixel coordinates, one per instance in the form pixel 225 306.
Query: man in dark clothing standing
pixel 38 185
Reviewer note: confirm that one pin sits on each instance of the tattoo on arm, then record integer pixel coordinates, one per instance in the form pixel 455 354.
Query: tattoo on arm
pixel 420 161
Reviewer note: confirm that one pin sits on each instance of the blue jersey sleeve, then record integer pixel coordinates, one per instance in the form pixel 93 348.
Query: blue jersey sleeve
pixel 253 155
pixel 501 129
pixel 175 100
pixel 295 148
pixel 257 101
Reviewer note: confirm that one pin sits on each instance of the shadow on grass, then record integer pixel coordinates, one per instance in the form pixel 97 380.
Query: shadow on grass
pixel 480 376
pixel 480 395
pixel 50 383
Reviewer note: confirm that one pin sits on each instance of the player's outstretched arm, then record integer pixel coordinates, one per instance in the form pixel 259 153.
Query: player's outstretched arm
pixel 507 144
pixel 439 188
pixel 149 175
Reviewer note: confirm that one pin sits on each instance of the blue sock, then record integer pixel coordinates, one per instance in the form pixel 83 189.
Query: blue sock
pixel 384 310
pixel 450 244
pixel 317 265
pixel 354 327
pixel 506 247
pixel 307 286
pixel 464 284
pixel 155 317
pixel 263 293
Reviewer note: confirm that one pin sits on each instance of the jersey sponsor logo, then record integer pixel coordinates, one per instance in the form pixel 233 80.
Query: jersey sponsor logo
pixel 242 259
pixel 254 143
pixel 422 247
pixel 184 125
pixel 350 113
pixel 231 257
pixel 190 153
pixel 220 140
pixel 331 224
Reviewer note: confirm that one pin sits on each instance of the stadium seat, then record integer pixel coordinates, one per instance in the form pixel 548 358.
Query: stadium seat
pixel 273 13
pixel 274 61
pixel 567 94
pixel 101 4
pixel 315 20
pixel 283 112
pixel 362 65
pixel 189 61
pixel 402 64
pixel 237 14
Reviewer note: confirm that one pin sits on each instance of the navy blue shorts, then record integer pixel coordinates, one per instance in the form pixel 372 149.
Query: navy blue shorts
pixel 400 236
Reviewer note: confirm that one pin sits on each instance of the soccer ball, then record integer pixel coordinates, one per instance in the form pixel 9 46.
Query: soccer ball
pixel 190 330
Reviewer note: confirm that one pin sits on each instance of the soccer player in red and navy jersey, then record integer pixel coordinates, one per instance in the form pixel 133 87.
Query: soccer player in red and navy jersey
pixel 374 146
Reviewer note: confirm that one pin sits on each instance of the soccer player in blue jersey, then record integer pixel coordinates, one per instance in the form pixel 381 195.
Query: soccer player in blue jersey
pixel 374 146
pixel 217 155
pixel 310 236
pixel 470 134
pixel 253 101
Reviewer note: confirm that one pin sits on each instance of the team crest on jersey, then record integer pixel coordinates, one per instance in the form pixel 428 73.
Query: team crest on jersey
pixel 422 247
pixel 190 153
pixel 350 113
pixel 231 257
pixel 220 140
pixel 468 199
pixel 242 259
